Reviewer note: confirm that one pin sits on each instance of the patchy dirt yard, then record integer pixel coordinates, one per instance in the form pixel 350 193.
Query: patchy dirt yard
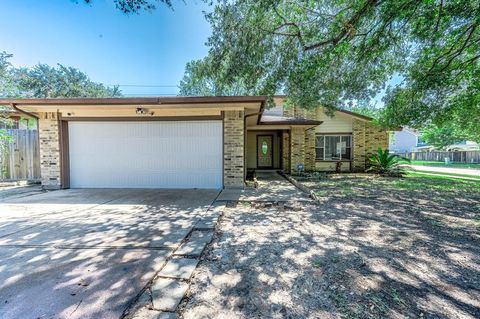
pixel 374 248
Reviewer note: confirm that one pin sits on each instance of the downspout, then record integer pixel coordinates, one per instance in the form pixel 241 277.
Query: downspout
pixel 14 106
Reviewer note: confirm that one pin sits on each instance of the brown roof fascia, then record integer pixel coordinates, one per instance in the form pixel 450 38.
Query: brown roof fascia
pixel 137 100
pixel 299 122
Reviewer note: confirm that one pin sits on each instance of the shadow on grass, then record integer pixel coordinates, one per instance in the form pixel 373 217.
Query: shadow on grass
pixel 380 252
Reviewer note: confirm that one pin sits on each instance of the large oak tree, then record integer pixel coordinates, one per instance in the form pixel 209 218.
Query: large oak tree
pixel 339 52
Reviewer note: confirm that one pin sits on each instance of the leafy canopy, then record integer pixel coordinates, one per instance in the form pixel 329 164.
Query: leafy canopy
pixel 135 6
pixel 441 137
pixel 333 52
pixel 199 80
pixel 43 81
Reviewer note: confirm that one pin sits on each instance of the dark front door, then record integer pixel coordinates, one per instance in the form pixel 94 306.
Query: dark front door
pixel 265 151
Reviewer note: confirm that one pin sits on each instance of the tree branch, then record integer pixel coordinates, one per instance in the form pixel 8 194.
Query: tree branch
pixel 347 29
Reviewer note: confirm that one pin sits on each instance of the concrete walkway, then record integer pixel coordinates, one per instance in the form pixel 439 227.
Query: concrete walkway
pixel 271 187
pixel 447 170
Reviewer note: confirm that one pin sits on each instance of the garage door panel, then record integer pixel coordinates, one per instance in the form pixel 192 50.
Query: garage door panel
pixel 180 154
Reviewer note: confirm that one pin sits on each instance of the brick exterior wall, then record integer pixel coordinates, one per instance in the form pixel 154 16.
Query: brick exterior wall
pixel 359 142
pixel 367 138
pixel 375 137
pixel 310 150
pixel 234 151
pixel 49 150
pixel 286 152
pixel 297 150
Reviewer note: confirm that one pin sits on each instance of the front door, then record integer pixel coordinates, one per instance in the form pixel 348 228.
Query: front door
pixel 265 151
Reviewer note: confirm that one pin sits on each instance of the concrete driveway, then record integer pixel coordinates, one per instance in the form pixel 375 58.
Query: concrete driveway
pixel 89 253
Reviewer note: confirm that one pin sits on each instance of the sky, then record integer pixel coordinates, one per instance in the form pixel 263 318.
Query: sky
pixel 109 46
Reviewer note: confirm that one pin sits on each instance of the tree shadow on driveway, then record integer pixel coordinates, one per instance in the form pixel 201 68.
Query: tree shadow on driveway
pixel 87 253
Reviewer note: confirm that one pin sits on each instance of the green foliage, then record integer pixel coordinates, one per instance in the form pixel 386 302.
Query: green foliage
pixel 199 80
pixel 384 163
pixel 43 81
pixel 331 52
pixel 440 137
pixel 61 81
pixel 7 85
pixel 135 6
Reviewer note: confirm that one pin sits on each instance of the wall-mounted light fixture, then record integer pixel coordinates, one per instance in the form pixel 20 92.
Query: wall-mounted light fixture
pixel 142 111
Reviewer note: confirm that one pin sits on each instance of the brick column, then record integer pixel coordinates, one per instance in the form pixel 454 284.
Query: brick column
pixel 310 150
pixel 297 142
pixel 49 149
pixel 233 146
pixel 359 147
pixel 286 152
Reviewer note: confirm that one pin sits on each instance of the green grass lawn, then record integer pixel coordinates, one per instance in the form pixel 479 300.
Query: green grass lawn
pixel 442 164
pixel 418 180
pixel 451 175
pixel 345 185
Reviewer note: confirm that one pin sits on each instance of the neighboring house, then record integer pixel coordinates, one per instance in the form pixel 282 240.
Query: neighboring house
pixel 190 142
pixel 409 140
pixel 406 140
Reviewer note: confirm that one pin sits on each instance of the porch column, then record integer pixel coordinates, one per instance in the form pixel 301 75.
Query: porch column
pixel 233 149
pixel 49 136
pixel 297 150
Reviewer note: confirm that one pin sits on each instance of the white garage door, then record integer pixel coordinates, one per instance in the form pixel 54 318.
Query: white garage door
pixel 166 154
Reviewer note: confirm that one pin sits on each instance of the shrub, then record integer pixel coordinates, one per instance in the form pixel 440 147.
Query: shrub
pixel 387 164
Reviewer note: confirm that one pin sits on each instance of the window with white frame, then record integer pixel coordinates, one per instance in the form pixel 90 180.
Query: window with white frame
pixel 333 147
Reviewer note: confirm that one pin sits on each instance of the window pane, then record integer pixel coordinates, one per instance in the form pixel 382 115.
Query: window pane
pixel 319 153
pixel 348 140
pixel 319 141
pixel 332 148
pixel 346 147
pixel 348 154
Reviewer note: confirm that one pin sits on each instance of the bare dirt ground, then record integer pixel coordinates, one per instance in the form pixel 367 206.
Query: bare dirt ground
pixel 374 248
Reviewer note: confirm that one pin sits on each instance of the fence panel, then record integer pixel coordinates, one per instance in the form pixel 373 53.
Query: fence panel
pixel 457 156
pixel 21 161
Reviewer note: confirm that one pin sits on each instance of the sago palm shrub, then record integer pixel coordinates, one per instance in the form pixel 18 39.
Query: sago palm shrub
pixel 387 164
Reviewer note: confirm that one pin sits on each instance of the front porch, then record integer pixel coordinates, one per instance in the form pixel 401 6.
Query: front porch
pixel 280 143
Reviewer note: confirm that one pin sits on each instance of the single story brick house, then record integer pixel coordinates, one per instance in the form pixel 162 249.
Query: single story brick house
pixel 190 142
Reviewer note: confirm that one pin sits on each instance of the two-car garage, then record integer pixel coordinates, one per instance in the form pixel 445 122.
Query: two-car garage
pixel 146 154
pixel 142 142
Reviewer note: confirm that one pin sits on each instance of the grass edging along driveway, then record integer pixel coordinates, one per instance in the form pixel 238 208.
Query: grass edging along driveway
pixel 375 248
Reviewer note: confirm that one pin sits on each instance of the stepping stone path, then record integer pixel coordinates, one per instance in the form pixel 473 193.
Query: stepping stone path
pixel 170 285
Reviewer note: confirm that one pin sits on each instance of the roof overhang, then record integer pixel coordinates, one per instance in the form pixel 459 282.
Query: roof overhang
pixel 282 120
pixel 251 104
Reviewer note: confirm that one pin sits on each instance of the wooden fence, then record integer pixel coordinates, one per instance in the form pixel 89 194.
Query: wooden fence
pixel 21 160
pixel 457 156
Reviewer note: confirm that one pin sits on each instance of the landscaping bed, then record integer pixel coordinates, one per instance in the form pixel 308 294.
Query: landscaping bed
pixel 374 248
